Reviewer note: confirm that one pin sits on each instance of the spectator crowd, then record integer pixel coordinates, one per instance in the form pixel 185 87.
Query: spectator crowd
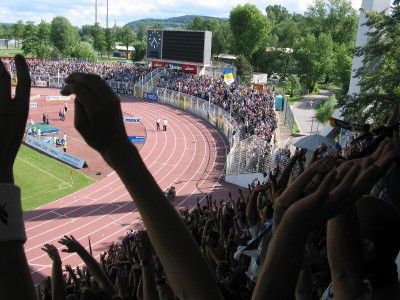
pixel 328 230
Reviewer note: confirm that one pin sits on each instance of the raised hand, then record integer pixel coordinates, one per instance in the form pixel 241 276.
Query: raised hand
pixel 13 116
pixel 71 243
pixel 143 247
pixel 98 115
pixel 52 251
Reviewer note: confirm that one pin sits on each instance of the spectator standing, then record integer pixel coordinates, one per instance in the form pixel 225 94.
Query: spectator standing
pixel 165 125
pixel 39 133
pixel 65 146
pixel 47 120
pixel 65 107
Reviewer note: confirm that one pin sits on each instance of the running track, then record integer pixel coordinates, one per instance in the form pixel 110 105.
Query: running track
pixel 191 156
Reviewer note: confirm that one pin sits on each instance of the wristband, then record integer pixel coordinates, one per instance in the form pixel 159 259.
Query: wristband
pixel 11 216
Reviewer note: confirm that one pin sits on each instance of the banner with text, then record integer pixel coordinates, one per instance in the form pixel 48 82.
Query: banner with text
pixel 131 119
pixel 55 152
pixel 58 98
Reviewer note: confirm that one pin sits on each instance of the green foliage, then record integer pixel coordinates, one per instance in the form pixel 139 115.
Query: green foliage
pixel 110 40
pixel 326 109
pixel 314 57
pixel 29 38
pixel 380 73
pixel 99 39
pixel 244 69
pixel 125 37
pixel 17 31
pixel 292 85
pixel 221 33
pixel 43 180
pixel 250 29
pixel 335 17
pixel 140 50
pixel 62 34
pixel 82 50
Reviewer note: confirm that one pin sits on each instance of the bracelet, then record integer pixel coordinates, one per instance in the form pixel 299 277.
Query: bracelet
pixel 12 226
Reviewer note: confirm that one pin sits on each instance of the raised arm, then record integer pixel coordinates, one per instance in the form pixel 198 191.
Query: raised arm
pixel 98 117
pixel 94 267
pixel 345 249
pixel 292 194
pixel 13 117
pixel 58 289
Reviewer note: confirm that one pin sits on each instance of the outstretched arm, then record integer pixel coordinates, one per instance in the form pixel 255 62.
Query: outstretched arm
pixel 98 117
pixel 58 289
pixel 13 116
pixel 73 246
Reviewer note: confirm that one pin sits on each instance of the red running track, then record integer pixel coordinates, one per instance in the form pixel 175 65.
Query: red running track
pixel 190 155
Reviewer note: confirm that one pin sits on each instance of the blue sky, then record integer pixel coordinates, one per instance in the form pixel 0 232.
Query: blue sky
pixel 81 12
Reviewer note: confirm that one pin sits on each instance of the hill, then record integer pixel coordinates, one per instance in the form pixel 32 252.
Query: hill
pixel 170 23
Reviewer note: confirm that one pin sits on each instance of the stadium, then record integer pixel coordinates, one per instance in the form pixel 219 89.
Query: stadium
pixel 251 211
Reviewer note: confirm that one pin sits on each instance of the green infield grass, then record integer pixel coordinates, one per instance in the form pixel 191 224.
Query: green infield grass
pixel 43 179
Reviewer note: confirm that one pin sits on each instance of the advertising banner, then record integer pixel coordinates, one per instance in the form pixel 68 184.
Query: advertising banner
pixel 189 68
pixel 137 139
pixel 157 64
pixel 55 152
pixel 131 119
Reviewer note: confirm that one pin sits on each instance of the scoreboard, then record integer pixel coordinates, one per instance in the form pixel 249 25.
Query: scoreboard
pixel 179 45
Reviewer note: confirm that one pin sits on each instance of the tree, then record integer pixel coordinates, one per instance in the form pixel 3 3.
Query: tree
pixel 18 32
pixel 326 109
pixel 343 60
pixel 140 50
pixel 244 69
pixel 85 32
pixel 379 76
pixel 277 14
pixel 44 29
pixel 110 40
pixel 99 39
pixel 83 50
pixel 7 34
pixel 292 85
pixel 221 33
pixel 125 37
pixel 30 38
pixel 336 17
pixel 63 35
pixel 249 27
pixel 141 33
pixel 314 56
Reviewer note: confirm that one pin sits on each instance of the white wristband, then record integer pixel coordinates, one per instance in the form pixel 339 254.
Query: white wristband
pixel 11 216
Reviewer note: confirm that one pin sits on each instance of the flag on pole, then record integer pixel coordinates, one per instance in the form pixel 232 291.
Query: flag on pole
pixel 70 173
pixel 228 76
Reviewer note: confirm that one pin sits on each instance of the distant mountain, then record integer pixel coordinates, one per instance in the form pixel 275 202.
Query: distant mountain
pixel 170 23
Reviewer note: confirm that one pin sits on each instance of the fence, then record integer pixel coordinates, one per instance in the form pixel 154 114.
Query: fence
pixel 250 155
pixel 289 117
